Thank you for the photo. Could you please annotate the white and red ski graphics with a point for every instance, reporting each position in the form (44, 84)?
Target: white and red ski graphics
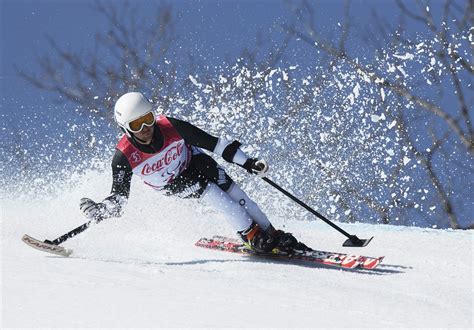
(334, 259)
(46, 247)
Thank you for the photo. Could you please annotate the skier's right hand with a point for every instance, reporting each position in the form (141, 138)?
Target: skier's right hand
(91, 209)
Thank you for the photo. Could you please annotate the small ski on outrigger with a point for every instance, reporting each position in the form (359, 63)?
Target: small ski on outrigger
(341, 260)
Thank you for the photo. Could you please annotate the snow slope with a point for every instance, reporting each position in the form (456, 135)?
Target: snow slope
(143, 271)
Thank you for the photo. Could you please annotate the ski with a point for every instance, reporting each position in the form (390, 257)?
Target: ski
(46, 247)
(335, 259)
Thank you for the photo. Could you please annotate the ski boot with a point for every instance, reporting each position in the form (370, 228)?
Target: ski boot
(271, 240)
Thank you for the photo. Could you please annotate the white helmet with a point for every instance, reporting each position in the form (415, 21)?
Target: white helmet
(129, 107)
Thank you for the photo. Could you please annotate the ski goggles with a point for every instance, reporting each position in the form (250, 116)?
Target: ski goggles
(135, 126)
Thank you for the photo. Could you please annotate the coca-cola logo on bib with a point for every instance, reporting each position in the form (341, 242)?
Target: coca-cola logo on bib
(169, 156)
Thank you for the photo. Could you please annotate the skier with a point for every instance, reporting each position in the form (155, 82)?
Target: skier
(166, 153)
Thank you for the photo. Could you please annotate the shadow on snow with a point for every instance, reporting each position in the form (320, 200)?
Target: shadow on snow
(382, 269)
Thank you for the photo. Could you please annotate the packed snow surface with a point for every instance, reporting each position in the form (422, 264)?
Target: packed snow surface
(143, 270)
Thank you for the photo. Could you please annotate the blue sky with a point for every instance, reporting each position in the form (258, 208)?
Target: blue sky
(210, 30)
(207, 29)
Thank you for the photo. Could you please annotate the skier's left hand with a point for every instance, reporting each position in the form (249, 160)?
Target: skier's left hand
(256, 166)
(91, 209)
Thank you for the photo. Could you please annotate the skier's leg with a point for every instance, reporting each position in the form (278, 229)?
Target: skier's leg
(239, 196)
(209, 168)
(242, 213)
(253, 228)
(238, 218)
(261, 235)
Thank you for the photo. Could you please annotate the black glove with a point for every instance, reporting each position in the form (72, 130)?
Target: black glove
(91, 209)
(256, 166)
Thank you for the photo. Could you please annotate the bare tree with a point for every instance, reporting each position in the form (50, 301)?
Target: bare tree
(133, 54)
(446, 56)
(350, 134)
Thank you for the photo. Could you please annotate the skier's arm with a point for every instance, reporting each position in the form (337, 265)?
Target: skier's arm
(121, 180)
(112, 205)
(121, 175)
(193, 135)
